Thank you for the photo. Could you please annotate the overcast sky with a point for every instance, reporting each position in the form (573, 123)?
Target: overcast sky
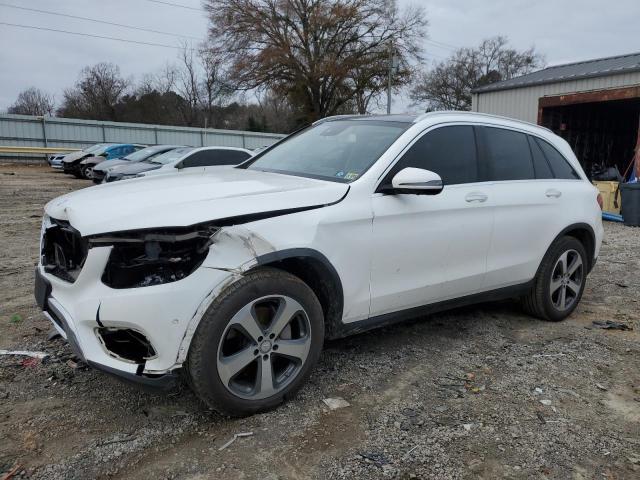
(563, 30)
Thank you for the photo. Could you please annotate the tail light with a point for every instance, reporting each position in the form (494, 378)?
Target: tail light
(600, 201)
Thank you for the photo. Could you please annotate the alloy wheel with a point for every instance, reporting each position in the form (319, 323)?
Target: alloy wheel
(566, 280)
(264, 347)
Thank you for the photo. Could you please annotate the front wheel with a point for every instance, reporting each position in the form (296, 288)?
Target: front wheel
(560, 281)
(87, 172)
(257, 343)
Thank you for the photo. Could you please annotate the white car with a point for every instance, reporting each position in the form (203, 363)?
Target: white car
(237, 276)
(183, 159)
(55, 160)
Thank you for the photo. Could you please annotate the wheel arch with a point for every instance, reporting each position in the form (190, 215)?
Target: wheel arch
(583, 232)
(315, 269)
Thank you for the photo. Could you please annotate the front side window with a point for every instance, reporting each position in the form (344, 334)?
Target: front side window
(448, 151)
(338, 150)
(508, 154)
(560, 166)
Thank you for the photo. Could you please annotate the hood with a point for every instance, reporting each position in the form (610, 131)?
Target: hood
(137, 167)
(188, 198)
(93, 160)
(73, 156)
(108, 164)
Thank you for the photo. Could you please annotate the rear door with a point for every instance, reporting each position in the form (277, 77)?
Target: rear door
(527, 198)
(428, 248)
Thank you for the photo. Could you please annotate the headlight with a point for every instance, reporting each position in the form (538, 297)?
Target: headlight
(144, 258)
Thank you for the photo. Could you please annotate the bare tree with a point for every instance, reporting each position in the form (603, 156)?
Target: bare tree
(33, 101)
(448, 85)
(312, 51)
(96, 93)
(214, 86)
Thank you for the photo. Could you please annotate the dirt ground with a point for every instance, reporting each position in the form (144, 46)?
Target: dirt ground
(481, 392)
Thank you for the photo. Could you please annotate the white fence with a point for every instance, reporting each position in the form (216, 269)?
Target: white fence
(28, 131)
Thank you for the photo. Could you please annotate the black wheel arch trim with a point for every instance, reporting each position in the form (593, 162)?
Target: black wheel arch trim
(591, 261)
(332, 324)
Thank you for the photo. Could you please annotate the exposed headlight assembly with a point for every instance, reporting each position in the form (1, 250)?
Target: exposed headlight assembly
(142, 258)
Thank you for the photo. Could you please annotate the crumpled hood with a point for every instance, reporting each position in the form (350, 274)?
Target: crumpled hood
(186, 198)
(73, 156)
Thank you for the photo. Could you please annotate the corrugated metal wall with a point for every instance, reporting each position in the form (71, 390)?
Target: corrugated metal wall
(522, 103)
(23, 130)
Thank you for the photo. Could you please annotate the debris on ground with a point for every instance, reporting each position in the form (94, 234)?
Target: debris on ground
(545, 402)
(235, 437)
(11, 473)
(336, 403)
(26, 353)
(611, 325)
(378, 459)
(601, 387)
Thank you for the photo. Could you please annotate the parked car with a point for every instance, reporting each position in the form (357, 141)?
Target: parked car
(113, 152)
(187, 159)
(100, 170)
(55, 160)
(237, 275)
(71, 162)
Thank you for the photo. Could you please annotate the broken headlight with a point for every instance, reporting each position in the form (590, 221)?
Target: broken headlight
(144, 258)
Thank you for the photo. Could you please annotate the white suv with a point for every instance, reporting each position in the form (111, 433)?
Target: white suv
(237, 276)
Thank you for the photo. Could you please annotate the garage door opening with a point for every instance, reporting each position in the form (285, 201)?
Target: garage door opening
(601, 128)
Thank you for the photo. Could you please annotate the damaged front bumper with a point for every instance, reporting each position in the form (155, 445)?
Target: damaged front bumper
(161, 318)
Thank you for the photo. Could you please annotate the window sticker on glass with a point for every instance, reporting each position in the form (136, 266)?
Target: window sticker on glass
(351, 176)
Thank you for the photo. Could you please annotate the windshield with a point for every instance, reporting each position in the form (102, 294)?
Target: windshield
(170, 156)
(97, 148)
(142, 154)
(339, 150)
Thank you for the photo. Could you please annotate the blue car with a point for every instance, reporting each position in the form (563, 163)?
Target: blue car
(81, 164)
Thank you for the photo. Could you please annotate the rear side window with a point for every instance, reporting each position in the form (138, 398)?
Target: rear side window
(560, 166)
(448, 151)
(508, 154)
(540, 164)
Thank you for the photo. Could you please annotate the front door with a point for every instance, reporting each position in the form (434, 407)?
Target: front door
(428, 248)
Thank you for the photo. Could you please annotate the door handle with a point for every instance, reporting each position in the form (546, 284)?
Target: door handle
(478, 197)
(553, 193)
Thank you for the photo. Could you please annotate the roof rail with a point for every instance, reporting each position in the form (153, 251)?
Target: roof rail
(477, 114)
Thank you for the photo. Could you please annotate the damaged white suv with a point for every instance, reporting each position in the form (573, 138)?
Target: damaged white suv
(237, 276)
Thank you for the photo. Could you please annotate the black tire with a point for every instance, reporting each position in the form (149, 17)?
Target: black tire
(86, 172)
(538, 302)
(201, 364)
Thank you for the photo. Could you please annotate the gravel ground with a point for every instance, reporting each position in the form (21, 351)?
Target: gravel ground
(480, 392)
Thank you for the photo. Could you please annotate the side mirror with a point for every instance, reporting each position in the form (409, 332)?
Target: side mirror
(416, 181)
(180, 165)
(105, 155)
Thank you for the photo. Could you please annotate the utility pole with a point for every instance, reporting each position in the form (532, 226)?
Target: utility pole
(393, 67)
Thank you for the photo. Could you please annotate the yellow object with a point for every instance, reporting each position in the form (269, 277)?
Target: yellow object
(36, 150)
(608, 190)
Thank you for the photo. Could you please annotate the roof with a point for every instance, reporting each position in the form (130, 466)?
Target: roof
(402, 118)
(599, 67)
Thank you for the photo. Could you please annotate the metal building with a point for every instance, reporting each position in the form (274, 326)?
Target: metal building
(594, 105)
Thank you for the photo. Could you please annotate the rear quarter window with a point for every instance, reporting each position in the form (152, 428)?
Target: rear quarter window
(560, 165)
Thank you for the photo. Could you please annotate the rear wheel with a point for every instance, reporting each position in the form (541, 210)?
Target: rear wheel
(257, 343)
(560, 281)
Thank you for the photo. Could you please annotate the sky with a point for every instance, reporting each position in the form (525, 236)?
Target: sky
(562, 30)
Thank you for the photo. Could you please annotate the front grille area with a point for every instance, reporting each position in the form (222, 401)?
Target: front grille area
(63, 250)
